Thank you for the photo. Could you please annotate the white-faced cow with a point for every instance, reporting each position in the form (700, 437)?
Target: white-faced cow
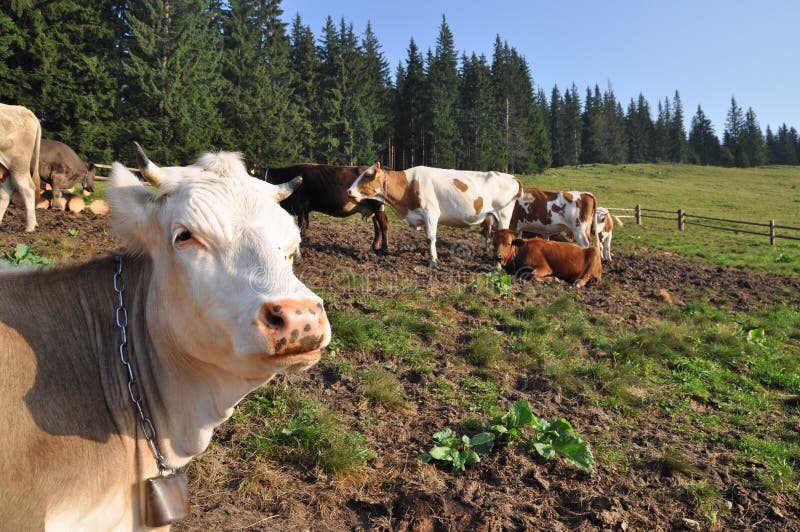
(546, 259)
(20, 139)
(324, 190)
(61, 168)
(605, 228)
(548, 212)
(425, 197)
(213, 310)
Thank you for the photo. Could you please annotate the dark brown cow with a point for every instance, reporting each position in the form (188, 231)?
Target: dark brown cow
(324, 189)
(545, 258)
(61, 167)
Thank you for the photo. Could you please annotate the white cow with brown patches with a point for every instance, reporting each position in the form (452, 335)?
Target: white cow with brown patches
(213, 311)
(425, 197)
(548, 212)
(605, 228)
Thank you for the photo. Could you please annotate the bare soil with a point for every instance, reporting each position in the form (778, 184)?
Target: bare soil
(508, 490)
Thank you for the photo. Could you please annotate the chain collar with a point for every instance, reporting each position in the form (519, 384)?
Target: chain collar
(135, 392)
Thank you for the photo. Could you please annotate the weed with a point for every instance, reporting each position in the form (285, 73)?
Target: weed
(382, 387)
(23, 254)
(460, 452)
(483, 348)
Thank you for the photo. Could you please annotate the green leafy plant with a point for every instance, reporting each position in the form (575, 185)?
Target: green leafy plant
(460, 452)
(756, 336)
(23, 254)
(496, 281)
(550, 437)
(784, 258)
(73, 232)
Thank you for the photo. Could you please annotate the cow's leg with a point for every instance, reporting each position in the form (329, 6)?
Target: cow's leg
(24, 184)
(431, 221)
(5, 197)
(381, 224)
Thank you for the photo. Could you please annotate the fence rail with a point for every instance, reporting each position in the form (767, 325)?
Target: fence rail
(683, 219)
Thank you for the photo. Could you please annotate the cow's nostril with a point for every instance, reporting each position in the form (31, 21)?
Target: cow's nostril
(272, 318)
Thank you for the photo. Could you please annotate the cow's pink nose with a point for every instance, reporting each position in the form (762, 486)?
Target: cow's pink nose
(296, 325)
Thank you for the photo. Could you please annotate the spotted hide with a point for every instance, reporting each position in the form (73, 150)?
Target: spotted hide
(548, 212)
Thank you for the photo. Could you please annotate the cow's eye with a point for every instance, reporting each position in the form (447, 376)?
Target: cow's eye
(183, 236)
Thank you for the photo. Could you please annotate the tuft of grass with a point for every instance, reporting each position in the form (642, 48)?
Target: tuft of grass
(382, 387)
(484, 348)
(287, 426)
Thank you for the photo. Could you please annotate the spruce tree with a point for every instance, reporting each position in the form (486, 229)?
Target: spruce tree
(173, 78)
(556, 129)
(480, 118)
(591, 118)
(704, 147)
(733, 154)
(376, 101)
(753, 149)
(304, 64)
(572, 127)
(676, 133)
(259, 117)
(443, 85)
(411, 109)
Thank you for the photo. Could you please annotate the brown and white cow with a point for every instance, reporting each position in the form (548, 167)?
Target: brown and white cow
(546, 258)
(213, 309)
(605, 228)
(324, 190)
(425, 197)
(20, 139)
(61, 167)
(548, 212)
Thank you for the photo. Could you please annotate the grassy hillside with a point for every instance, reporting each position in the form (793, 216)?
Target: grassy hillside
(754, 194)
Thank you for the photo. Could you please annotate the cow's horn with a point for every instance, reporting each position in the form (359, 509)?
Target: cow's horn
(150, 171)
(285, 190)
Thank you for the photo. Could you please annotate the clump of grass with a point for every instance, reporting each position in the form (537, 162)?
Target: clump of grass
(355, 331)
(382, 387)
(298, 430)
(483, 348)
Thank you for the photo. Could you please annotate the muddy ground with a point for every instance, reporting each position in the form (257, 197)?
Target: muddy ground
(508, 490)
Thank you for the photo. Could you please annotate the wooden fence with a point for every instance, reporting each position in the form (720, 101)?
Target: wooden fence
(683, 219)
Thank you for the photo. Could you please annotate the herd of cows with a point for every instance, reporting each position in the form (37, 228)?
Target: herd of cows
(107, 390)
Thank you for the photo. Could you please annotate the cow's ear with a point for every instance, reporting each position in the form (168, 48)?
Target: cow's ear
(517, 242)
(377, 166)
(133, 209)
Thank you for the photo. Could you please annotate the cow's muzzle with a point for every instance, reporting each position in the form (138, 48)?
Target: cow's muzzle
(295, 325)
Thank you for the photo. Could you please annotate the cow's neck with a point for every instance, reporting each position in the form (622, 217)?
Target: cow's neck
(399, 192)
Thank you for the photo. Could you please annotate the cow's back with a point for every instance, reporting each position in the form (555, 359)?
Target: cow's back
(464, 197)
(56, 157)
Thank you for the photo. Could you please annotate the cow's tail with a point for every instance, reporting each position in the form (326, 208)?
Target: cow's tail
(35, 163)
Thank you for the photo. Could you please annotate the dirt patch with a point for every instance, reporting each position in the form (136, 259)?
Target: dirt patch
(508, 490)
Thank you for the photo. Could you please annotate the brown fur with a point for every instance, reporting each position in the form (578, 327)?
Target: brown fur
(66, 410)
(401, 195)
(460, 185)
(478, 203)
(545, 258)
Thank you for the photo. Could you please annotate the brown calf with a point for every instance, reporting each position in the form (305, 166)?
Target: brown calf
(545, 258)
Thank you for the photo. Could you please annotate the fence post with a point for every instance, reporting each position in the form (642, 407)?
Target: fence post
(772, 232)
(680, 219)
(638, 214)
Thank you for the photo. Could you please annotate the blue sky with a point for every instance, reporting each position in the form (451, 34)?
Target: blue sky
(709, 50)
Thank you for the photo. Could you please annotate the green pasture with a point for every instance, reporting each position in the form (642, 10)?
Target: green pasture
(753, 195)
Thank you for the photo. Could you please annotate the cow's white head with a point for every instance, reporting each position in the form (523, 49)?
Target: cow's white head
(371, 184)
(222, 290)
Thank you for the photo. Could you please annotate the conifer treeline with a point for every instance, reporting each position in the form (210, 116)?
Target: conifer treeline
(183, 76)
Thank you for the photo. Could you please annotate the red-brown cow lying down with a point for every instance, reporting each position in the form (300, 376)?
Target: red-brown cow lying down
(545, 258)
